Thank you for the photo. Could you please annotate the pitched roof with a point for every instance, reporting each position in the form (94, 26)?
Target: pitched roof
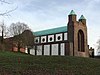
(82, 17)
(51, 31)
(72, 12)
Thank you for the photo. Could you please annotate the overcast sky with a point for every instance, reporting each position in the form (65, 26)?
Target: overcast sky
(46, 14)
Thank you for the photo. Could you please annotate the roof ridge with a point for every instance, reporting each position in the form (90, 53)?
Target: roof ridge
(51, 31)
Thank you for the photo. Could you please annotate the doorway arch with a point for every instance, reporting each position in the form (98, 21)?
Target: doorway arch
(81, 46)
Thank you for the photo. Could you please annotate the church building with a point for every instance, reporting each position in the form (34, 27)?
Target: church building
(68, 40)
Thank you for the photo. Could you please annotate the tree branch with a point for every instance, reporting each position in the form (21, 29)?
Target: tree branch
(7, 12)
(3, 1)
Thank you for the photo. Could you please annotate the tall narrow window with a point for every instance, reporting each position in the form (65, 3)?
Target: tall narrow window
(81, 41)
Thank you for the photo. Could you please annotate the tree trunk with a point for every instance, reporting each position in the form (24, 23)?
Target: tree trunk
(2, 37)
(18, 47)
(28, 50)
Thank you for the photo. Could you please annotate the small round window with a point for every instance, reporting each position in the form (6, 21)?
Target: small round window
(59, 38)
(43, 39)
(50, 38)
(36, 40)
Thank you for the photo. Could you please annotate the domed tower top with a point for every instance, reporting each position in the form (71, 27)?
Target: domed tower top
(72, 12)
(82, 19)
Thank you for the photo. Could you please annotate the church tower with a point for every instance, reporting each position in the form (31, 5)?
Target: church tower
(77, 35)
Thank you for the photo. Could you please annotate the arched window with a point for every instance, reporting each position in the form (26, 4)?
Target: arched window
(81, 41)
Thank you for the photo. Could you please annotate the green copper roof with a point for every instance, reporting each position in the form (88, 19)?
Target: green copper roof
(51, 31)
(82, 17)
(72, 12)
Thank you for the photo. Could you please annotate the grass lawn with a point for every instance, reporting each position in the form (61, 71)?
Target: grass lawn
(22, 64)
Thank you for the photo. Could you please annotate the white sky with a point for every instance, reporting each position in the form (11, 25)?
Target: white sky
(46, 14)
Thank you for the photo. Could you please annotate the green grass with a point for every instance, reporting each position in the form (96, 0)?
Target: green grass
(22, 64)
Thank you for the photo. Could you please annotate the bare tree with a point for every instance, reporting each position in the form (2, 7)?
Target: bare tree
(16, 30)
(3, 27)
(3, 31)
(98, 46)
